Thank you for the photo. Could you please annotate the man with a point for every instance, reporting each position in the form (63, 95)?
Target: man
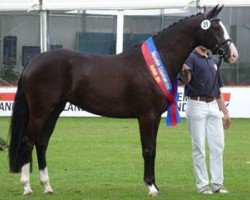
(204, 117)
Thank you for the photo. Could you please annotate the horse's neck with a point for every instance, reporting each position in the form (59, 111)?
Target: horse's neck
(175, 49)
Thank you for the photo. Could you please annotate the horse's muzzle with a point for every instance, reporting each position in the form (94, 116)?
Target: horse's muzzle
(232, 55)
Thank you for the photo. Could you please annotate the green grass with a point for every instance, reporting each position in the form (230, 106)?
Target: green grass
(100, 158)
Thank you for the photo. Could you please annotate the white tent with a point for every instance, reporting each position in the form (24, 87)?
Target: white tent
(119, 7)
(25, 5)
(227, 3)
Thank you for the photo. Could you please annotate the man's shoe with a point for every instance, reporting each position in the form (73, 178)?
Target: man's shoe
(218, 188)
(205, 190)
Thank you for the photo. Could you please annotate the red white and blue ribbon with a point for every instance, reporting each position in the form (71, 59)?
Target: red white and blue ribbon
(160, 75)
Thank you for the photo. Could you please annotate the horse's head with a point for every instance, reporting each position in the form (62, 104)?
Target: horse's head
(215, 37)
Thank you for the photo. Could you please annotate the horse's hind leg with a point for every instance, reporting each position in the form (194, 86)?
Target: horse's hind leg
(34, 127)
(41, 147)
(148, 130)
(25, 179)
(34, 131)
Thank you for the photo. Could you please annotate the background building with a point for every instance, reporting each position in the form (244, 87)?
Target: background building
(29, 27)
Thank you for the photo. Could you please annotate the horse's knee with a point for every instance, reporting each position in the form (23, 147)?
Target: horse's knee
(149, 153)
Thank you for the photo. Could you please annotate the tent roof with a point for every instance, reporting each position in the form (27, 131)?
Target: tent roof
(25, 5)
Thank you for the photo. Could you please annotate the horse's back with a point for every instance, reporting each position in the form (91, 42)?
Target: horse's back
(100, 84)
(115, 85)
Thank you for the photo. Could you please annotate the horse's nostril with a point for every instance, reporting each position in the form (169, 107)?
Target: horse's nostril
(235, 55)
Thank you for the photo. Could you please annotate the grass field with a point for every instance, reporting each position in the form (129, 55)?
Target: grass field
(100, 158)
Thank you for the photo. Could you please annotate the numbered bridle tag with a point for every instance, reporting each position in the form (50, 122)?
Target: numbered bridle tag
(205, 24)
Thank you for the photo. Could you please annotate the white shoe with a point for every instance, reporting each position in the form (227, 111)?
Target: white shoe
(205, 190)
(219, 188)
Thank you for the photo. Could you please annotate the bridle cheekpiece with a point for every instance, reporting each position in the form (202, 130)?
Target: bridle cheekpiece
(217, 49)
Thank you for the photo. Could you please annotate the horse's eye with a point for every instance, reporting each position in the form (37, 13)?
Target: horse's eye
(216, 28)
(216, 25)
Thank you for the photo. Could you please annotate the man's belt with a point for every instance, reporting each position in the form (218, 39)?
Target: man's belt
(205, 99)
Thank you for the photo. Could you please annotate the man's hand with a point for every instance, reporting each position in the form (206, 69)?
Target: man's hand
(185, 74)
(226, 121)
(185, 68)
(223, 108)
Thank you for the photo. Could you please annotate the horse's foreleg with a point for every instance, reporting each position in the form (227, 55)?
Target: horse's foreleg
(148, 130)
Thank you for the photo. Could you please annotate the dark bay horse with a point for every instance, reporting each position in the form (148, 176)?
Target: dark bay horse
(114, 86)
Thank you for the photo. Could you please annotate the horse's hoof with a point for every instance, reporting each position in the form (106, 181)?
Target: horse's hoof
(26, 188)
(47, 188)
(27, 192)
(48, 191)
(154, 193)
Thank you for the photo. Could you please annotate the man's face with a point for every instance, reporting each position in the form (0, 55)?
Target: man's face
(203, 48)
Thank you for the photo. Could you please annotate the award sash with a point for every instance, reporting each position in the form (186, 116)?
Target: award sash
(160, 75)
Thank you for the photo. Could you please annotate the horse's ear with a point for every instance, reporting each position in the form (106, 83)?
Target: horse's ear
(214, 12)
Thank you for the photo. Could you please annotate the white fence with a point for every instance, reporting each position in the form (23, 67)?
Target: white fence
(237, 100)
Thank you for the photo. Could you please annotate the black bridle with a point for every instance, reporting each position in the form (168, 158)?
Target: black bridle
(217, 49)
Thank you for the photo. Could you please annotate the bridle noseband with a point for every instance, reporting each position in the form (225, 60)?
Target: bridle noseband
(217, 49)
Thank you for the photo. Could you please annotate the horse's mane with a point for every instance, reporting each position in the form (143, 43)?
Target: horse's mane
(174, 24)
(163, 31)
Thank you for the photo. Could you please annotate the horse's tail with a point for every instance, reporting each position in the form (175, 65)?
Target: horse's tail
(18, 126)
